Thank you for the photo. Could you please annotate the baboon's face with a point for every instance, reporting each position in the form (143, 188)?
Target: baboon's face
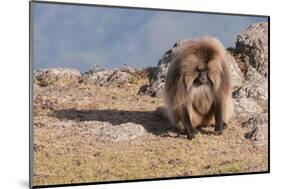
(202, 76)
(201, 70)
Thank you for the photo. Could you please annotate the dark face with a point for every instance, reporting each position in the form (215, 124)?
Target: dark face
(202, 70)
(202, 78)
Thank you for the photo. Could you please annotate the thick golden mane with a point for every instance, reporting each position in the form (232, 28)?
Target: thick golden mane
(198, 85)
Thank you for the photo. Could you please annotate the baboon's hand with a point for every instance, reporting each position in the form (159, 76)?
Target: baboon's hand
(224, 126)
(218, 132)
(191, 134)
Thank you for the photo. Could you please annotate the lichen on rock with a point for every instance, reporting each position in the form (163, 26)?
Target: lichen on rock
(56, 76)
(252, 44)
(105, 77)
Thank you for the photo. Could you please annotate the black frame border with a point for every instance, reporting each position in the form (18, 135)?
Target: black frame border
(31, 132)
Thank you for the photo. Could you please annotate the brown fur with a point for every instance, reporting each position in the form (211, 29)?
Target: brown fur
(181, 89)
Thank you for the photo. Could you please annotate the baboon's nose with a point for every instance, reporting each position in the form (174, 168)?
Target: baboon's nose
(203, 77)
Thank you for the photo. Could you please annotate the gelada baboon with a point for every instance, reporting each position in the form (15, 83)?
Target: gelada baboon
(198, 86)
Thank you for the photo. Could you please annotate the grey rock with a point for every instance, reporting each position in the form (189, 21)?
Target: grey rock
(102, 131)
(95, 69)
(158, 74)
(143, 89)
(252, 98)
(96, 76)
(258, 133)
(257, 120)
(246, 108)
(52, 76)
(260, 139)
(103, 77)
(122, 132)
(155, 89)
(256, 89)
(127, 69)
(252, 44)
(236, 74)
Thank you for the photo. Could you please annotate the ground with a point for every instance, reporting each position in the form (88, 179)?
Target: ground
(70, 144)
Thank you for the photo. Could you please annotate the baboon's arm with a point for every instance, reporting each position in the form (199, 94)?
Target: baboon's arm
(187, 123)
(218, 118)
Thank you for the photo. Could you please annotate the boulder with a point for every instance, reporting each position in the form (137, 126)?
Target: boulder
(258, 133)
(54, 76)
(236, 74)
(157, 75)
(245, 109)
(252, 44)
(104, 77)
(122, 132)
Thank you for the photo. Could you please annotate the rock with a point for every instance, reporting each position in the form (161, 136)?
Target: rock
(153, 90)
(157, 75)
(258, 91)
(246, 108)
(122, 132)
(236, 74)
(251, 74)
(99, 130)
(103, 77)
(143, 89)
(252, 44)
(56, 76)
(258, 133)
(127, 69)
(257, 120)
(260, 138)
(38, 147)
(95, 69)
(254, 86)
(119, 77)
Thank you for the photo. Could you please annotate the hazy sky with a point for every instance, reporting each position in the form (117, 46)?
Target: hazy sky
(81, 36)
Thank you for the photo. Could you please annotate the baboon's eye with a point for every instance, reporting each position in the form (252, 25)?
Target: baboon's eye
(202, 69)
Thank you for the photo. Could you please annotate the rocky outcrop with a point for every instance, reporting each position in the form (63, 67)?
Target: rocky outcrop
(253, 47)
(104, 77)
(157, 74)
(96, 76)
(56, 76)
(252, 50)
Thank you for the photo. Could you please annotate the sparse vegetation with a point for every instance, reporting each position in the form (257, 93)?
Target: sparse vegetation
(68, 149)
(45, 82)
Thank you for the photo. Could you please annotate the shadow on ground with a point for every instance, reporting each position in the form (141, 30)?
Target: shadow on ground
(148, 119)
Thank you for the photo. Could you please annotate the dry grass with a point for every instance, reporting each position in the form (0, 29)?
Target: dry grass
(68, 151)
